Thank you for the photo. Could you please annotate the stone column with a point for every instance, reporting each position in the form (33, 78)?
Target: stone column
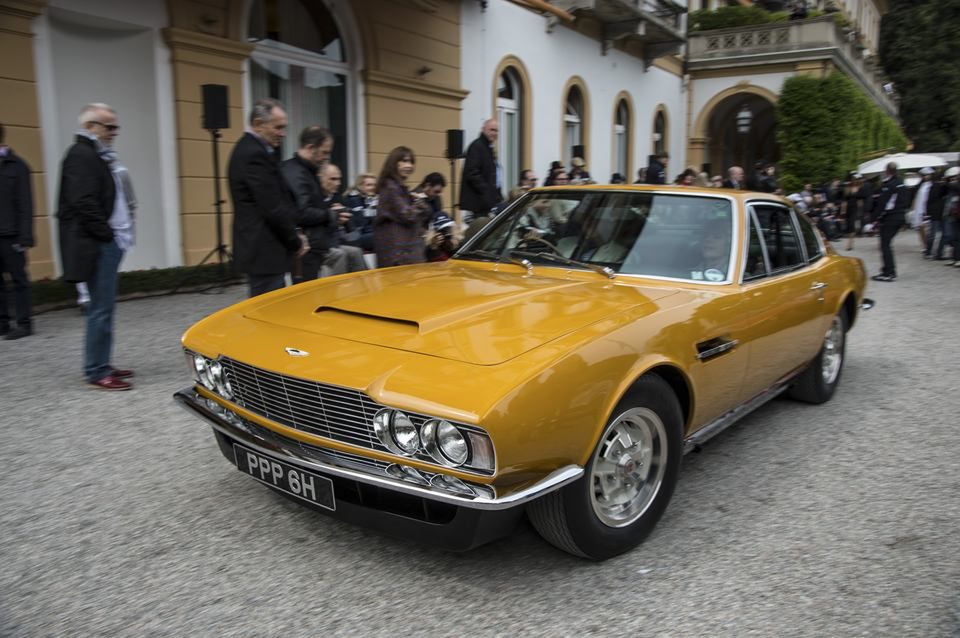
(20, 115)
(198, 59)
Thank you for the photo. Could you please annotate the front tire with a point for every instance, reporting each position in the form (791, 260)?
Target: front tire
(819, 381)
(627, 483)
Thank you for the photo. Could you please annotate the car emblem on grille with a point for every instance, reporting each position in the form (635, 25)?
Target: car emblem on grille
(293, 352)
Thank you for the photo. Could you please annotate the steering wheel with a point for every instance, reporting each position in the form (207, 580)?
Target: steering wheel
(529, 243)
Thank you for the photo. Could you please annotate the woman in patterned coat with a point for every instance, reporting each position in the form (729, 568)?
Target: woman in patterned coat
(401, 217)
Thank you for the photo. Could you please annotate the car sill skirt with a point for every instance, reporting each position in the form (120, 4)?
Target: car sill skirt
(193, 402)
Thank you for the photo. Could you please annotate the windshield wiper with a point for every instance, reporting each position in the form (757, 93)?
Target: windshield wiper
(499, 258)
(560, 259)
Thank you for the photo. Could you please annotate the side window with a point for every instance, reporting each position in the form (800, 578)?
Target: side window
(779, 237)
(810, 239)
(756, 266)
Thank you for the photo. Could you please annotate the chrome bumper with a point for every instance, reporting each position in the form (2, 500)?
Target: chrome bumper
(238, 429)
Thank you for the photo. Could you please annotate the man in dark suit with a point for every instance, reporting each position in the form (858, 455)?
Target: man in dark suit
(318, 220)
(96, 207)
(16, 236)
(734, 178)
(889, 209)
(265, 235)
(657, 169)
(481, 181)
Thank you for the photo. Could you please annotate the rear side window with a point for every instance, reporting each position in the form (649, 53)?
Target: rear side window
(756, 266)
(779, 236)
(810, 239)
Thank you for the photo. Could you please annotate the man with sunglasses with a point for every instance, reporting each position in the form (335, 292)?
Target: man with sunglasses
(96, 212)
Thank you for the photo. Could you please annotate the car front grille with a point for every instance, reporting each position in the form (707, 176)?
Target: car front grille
(325, 410)
(333, 412)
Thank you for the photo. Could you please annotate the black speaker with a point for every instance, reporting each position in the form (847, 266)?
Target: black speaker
(454, 143)
(216, 115)
(578, 151)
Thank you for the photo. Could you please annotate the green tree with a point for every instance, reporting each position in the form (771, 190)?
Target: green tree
(918, 50)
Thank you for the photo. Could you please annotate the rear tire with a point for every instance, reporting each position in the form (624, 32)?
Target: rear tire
(818, 382)
(628, 482)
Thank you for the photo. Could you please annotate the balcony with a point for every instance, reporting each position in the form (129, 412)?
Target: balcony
(802, 41)
(656, 25)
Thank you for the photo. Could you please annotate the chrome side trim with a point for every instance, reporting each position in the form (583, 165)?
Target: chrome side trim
(720, 424)
(192, 402)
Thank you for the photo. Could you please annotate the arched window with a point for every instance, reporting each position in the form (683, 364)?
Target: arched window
(510, 116)
(572, 124)
(621, 139)
(300, 60)
(659, 133)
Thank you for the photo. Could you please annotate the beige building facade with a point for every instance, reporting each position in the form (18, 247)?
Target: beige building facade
(620, 79)
(379, 73)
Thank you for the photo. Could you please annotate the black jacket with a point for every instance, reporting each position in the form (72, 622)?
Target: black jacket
(16, 200)
(888, 188)
(656, 172)
(313, 212)
(87, 197)
(264, 210)
(479, 192)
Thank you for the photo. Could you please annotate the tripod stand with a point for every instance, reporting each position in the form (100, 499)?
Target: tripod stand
(220, 250)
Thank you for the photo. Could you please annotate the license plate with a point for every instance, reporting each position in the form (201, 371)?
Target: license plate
(292, 480)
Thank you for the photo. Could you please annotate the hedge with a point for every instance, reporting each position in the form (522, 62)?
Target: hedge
(826, 126)
(739, 16)
(49, 294)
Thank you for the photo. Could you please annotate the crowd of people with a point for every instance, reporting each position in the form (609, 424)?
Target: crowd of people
(295, 218)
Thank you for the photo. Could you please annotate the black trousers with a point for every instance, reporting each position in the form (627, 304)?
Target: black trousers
(14, 265)
(260, 284)
(887, 231)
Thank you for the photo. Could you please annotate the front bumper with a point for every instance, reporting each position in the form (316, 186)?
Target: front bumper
(237, 429)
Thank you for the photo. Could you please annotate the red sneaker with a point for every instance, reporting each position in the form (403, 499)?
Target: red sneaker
(117, 373)
(110, 382)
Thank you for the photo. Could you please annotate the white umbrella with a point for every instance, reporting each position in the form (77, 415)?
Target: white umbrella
(904, 161)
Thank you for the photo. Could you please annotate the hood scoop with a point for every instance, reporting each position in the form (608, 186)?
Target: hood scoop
(331, 311)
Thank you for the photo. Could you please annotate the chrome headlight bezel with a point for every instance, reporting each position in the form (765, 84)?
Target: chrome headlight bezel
(386, 423)
(210, 374)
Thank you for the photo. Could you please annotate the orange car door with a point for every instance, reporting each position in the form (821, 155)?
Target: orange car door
(781, 309)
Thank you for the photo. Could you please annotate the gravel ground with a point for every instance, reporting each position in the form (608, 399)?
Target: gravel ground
(120, 517)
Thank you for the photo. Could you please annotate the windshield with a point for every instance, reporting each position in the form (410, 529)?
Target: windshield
(634, 233)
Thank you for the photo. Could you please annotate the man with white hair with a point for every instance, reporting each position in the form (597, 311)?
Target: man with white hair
(482, 180)
(96, 213)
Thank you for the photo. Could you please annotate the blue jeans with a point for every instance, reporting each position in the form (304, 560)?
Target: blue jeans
(98, 345)
(935, 228)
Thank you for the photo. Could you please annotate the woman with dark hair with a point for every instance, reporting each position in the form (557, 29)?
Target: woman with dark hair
(399, 225)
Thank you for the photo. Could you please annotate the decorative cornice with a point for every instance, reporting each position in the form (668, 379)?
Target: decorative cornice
(384, 79)
(191, 40)
(23, 8)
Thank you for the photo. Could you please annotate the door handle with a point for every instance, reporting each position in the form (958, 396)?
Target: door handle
(817, 285)
(715, 347)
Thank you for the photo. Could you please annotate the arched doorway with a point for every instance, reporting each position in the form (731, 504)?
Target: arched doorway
(302, 59)
(741, 131)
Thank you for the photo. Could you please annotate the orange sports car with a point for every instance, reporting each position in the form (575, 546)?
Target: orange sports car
(559, 365)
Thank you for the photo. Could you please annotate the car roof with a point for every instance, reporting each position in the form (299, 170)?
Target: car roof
(664, 188)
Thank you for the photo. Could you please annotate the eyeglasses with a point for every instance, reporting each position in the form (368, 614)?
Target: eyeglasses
(109, 127)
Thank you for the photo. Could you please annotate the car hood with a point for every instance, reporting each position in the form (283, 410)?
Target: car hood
(459, 312)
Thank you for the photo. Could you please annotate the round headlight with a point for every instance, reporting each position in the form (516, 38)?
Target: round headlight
(219, 379)
(444, 443)
(202, 367)
(396, 432)
(451, 443)
(404, 433)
